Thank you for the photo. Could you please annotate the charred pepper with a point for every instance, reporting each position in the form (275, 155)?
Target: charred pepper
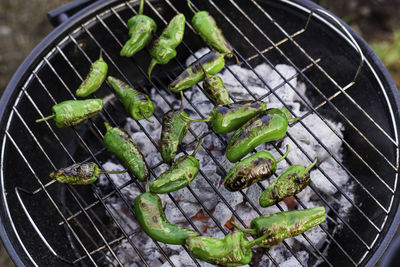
(282, 225)
(290, 182)
(138, 104)
(228, 118)
(268, 126)
(93, 81)
(233, 250)
(80, 173)
(122, 146)
(212, 62)
(72, 112)
(174, 127)
(205, 25)
(152, 220)
(141, 29)
(216, 90)
(253, 169)
(181, 174)
(163, 49)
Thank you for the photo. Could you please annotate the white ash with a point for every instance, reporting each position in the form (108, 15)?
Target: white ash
(204, 189)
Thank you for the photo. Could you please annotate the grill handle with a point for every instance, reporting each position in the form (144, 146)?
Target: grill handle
(63, 13)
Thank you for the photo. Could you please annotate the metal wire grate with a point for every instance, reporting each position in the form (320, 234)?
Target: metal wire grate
(77, 216)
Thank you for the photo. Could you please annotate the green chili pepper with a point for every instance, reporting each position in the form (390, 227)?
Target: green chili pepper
(141, 29)
(181, 174)
(80, 173)
(205, 25)
(253, 169)
(228, 118)
(233, 250)
(174, 127)
(93, 81)
(282, 225)
(72, 112)
(152, 220)
(138, 104)
(212, 62)
(121, 145)
(163, 49)
(267, 126)
(290, 182)
(216, 90)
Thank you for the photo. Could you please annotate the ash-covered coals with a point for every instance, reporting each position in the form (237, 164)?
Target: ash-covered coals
(207, 203)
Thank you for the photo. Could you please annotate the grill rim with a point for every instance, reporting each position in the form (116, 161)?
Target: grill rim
(41, 49)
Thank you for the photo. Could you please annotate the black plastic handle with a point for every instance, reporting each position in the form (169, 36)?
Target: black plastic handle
(60, 15)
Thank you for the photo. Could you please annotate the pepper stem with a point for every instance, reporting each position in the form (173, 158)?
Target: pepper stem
(141, 7)
(199, 120)
(237, 59)
(284, 155)
(101, 55)
(312, 165)
(108, 127)
(197, 147)
(144, 117)
(46, 118)
(293, 119)
(113, 172)
(256, 241)
(190, 7)
(153, 63)
(244, 230)
(205, 72)
(182, 102)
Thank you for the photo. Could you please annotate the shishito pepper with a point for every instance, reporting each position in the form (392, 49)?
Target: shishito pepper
(212, 62)
(141, 29)
(216, 90)
(205, 25)
(282, 225)
(121, 145)
(138, 104)
(163, 49)
(80, 173)
(253, 169)
(181, 174)
(152, 220)
(228, 118)
(93, 81)
(290, 182)
(174, 127)
(267, 126)
(72, 112)
(233, 250)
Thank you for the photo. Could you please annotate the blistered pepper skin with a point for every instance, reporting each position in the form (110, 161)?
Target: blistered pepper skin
(212, 62)
(293, 180)
(267, 126)
(122, 146)
(163, 49)
(253, 169)
(94, 79)
(216, 90)
(174, 128)
(286, 224)
(138, 104)
(152, 220)
(77, 174)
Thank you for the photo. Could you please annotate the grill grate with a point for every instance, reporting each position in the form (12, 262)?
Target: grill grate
(77, 216)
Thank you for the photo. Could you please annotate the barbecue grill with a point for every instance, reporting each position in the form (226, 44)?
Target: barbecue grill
(47, 223)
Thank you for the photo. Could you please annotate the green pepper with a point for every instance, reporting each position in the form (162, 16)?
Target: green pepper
(141, 29)
(174, 127)
(138, 104)
(267, 126)
(212, 62)
(122, 146)
(253, 169)
(80, 173)
(205, 25)
(290, 182)
(233, 250)
(216, 90)
(228, 118)
(152, 220)
(72, 112)
(163, 49)
(282, 225)
(181, 174)
(93, 81)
